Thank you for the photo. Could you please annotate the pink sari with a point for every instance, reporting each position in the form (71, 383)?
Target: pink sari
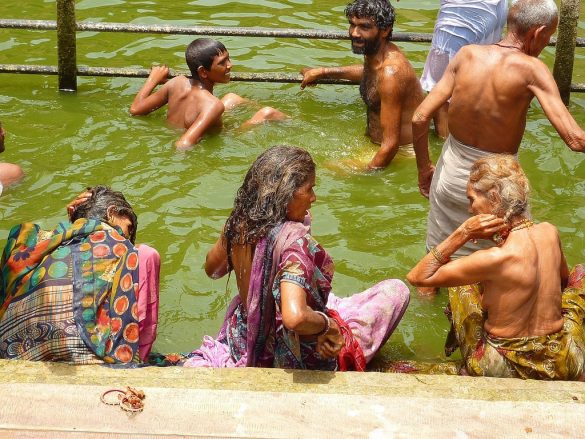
(255, 336)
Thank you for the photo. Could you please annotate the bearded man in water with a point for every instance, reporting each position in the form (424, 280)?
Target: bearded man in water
(388, 83)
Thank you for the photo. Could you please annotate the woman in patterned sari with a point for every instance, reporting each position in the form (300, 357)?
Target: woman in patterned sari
(285, 314)
(515, 309)
(81, 293)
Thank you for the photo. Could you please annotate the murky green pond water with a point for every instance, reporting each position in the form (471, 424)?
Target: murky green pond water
(373, 225)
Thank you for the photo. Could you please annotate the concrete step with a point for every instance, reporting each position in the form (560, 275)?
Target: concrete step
(59, 401)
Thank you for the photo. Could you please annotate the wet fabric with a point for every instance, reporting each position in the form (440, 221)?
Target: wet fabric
(69, 294)
(461, 22)
(449, 206)
(558, 356)
(257, 336)
(148, 297)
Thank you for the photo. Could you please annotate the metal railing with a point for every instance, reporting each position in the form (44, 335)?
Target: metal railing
(67, 69)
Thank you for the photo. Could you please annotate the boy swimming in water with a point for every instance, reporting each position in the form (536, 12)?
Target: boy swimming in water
(192, 105)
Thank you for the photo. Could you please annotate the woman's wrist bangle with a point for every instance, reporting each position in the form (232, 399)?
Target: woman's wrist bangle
(327, 324)
(439, 256)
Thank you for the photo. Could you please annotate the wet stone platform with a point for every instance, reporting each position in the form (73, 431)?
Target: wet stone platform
(60, 401)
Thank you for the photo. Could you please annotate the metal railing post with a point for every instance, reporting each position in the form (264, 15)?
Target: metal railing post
(67, 51)
(565, 50)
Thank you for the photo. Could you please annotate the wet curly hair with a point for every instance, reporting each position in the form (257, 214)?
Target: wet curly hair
(262, 200)
(381, 11)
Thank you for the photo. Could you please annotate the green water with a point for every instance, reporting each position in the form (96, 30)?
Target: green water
(373, 225)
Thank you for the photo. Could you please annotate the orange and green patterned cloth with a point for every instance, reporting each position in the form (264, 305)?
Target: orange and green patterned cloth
(558, 356)
(69, 294)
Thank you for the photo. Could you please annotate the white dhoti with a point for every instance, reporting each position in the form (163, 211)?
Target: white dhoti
(461, 22)
(449, 206)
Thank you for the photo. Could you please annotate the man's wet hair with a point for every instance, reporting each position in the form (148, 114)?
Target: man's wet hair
(529, 14)
(201, 52)
(381, 11)
(103, 199)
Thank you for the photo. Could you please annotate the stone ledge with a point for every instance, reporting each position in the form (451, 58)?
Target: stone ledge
(297, 381)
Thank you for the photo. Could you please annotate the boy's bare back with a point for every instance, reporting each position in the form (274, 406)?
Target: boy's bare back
(187, 101)
(191, 106)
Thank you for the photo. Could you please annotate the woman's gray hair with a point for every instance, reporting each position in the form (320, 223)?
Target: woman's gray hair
(500, 178)
(102, 202)
(262, 200)
(528, 14)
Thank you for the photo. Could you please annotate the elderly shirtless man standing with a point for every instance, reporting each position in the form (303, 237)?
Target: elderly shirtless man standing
(490, 88)
(388, 83)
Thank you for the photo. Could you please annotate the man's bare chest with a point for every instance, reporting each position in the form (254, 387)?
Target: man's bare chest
(369, 90)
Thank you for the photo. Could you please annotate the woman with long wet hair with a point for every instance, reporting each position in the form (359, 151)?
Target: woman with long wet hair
(285, 314)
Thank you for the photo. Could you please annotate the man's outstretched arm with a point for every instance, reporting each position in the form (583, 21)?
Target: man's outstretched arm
(145, 102)
(351, 73)
(546, 91)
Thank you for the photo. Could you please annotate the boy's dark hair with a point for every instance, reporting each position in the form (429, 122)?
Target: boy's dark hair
(200, 53)
(102, 199)
(381, 11)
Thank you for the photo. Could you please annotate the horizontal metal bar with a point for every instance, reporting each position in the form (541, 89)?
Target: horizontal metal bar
(28, 24)
(238, 77)
(217, 31)
(143, 73)
(202, 30)
(24, 68)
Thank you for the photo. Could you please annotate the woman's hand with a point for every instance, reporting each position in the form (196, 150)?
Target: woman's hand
(482, 226)
(80, 199)
(329, 344)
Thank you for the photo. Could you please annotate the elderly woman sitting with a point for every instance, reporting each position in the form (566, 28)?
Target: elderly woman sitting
(285, 314)
(81, 293)
(524, 315)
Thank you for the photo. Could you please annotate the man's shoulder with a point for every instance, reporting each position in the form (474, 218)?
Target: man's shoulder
(397, 62)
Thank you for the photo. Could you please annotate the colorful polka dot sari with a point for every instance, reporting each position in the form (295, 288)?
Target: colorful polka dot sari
(69, 294)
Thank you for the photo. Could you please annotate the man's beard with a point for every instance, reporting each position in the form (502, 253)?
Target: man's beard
(369, 47)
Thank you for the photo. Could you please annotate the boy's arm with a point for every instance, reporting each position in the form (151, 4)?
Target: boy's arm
(352, 73)
(208, 117)
(145, 102)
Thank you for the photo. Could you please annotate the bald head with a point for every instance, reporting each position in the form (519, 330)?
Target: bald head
(529, 14)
